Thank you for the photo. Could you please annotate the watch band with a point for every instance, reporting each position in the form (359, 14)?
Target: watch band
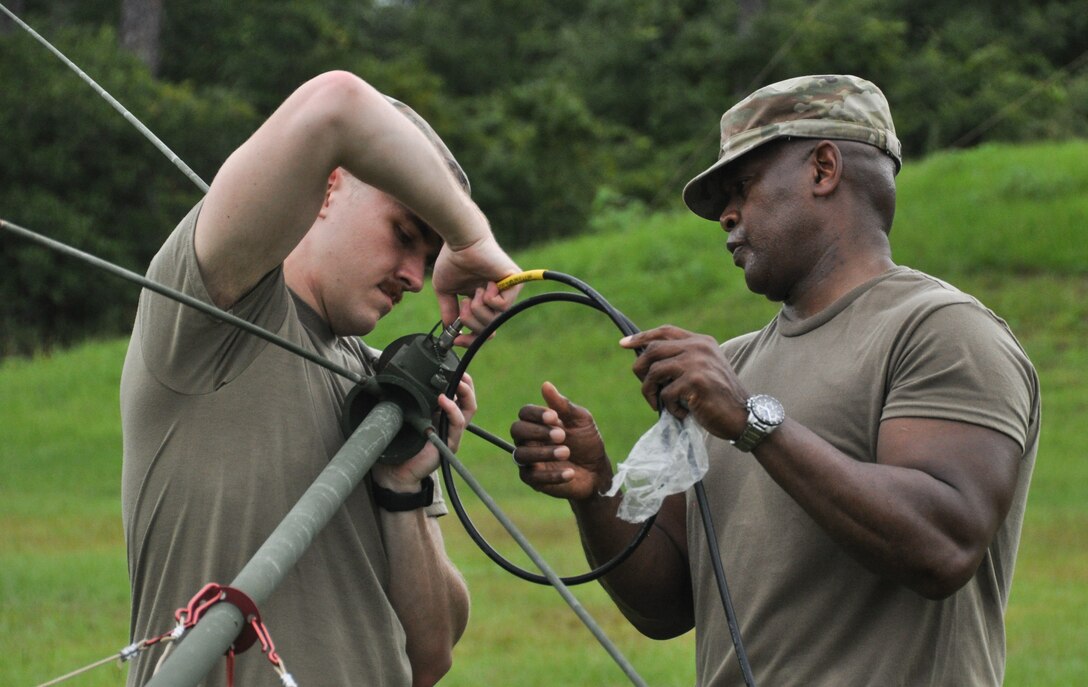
(765, 414)
(750, 437)
(396, 502)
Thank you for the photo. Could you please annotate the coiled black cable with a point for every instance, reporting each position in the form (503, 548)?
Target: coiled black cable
(591, 298)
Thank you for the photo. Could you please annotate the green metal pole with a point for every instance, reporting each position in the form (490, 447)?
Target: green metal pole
(210, 638)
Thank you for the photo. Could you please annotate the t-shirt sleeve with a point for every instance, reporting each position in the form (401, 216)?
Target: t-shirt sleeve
(187, 350)
(962, 363)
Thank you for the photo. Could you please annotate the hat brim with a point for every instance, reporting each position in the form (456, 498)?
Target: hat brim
(703, 195)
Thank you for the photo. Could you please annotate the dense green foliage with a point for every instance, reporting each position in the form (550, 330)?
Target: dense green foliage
(63, 583)
(555, 109)
(75, 170)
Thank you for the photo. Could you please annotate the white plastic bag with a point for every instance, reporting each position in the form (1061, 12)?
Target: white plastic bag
(668, 459)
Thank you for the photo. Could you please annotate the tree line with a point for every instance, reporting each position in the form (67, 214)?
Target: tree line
(557, 110)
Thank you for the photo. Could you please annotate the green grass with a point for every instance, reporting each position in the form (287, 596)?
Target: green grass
(1000, 222)
(63, 580)
(1011, 210)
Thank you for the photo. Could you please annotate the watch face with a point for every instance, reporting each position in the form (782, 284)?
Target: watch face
(767, 409)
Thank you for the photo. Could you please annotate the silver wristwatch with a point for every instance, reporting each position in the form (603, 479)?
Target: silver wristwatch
(765, 414)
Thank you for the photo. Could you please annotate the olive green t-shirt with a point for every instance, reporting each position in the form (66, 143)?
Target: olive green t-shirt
(902, 345)
(223, 432)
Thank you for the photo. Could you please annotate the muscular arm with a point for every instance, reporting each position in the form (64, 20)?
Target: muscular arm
(560, 453)
(922, 514)
(652, 588)
(268, 192)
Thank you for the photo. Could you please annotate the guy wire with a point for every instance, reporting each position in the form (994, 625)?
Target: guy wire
(164, 290)
(131, 118)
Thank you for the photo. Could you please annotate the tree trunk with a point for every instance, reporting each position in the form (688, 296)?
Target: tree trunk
(748, 10)
(141, 24)
(6, 25)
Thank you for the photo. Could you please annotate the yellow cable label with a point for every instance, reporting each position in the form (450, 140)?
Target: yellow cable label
(521, 278)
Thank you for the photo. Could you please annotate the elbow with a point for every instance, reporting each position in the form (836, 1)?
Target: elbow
(340, 83)
(330, 101)
(938, 588)
(664, 627)
(659, 610)
(943, 574)
(661, 632)
(431, 655)
(935, 589)
(430, 661)
(427, 671)
(339, 91)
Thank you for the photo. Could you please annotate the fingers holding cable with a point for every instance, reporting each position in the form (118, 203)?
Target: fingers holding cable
(459, 410)
(683, 372)
(478, 311)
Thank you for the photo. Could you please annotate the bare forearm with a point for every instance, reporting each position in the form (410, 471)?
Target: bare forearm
(427, 592)
(653, 586)
(561, 453)
(269, 191)
(383, 148)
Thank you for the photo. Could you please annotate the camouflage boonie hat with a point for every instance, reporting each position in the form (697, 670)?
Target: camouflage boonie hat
(434, 138)
(839, 107)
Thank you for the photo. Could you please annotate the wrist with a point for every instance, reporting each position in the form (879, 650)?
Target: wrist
(403, 478)
(602, 480)
(765, 415)
(597, 504)
(469, 227)
(410, 486)
(403, 498)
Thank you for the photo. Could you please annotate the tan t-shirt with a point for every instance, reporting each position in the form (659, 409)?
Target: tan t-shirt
(223, 432)
(902, 345)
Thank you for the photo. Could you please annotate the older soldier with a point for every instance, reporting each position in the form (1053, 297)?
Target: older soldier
(870, 447)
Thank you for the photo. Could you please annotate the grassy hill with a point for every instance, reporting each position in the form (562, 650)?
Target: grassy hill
(1001, 222)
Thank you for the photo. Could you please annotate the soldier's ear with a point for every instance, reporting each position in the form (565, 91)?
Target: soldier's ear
(827, 161)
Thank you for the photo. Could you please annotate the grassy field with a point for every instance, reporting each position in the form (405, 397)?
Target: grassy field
(1003, 223)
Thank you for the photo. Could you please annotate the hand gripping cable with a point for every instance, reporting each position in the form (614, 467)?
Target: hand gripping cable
(588, 297)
